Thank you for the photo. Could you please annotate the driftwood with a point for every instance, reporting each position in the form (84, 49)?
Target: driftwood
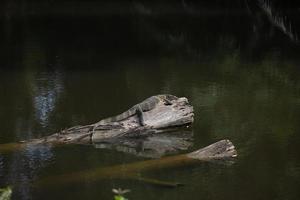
(163, 118)
(222, 150)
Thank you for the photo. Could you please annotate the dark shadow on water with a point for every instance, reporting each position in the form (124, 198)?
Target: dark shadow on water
(71, 35)
(69, 67)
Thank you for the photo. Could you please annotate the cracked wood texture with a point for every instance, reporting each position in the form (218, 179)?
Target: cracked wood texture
(162, 118)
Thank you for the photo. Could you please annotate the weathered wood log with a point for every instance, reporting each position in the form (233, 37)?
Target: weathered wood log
(162, 118)
(221, 150)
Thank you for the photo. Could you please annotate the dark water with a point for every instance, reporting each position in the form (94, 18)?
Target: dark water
(239, 72)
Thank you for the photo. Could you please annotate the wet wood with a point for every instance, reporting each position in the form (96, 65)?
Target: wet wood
(162, 118)
(222, 150)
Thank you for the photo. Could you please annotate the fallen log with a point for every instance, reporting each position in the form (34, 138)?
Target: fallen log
(164, 117)
(221, 150)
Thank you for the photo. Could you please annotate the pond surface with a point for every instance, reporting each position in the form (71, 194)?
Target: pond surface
(242, 78)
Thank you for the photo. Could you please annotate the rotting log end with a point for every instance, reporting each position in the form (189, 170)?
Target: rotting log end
(222, 149)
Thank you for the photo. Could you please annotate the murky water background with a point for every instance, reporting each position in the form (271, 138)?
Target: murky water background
(240, 74)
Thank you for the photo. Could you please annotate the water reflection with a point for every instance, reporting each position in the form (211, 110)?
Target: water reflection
(1, 167)
(242, 81)
(46, 90)
(254, 104)
(32, 95)
(153, 146)
(283, 23)
(23, 169)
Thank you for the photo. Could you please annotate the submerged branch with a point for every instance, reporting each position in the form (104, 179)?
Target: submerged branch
(221, 150)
